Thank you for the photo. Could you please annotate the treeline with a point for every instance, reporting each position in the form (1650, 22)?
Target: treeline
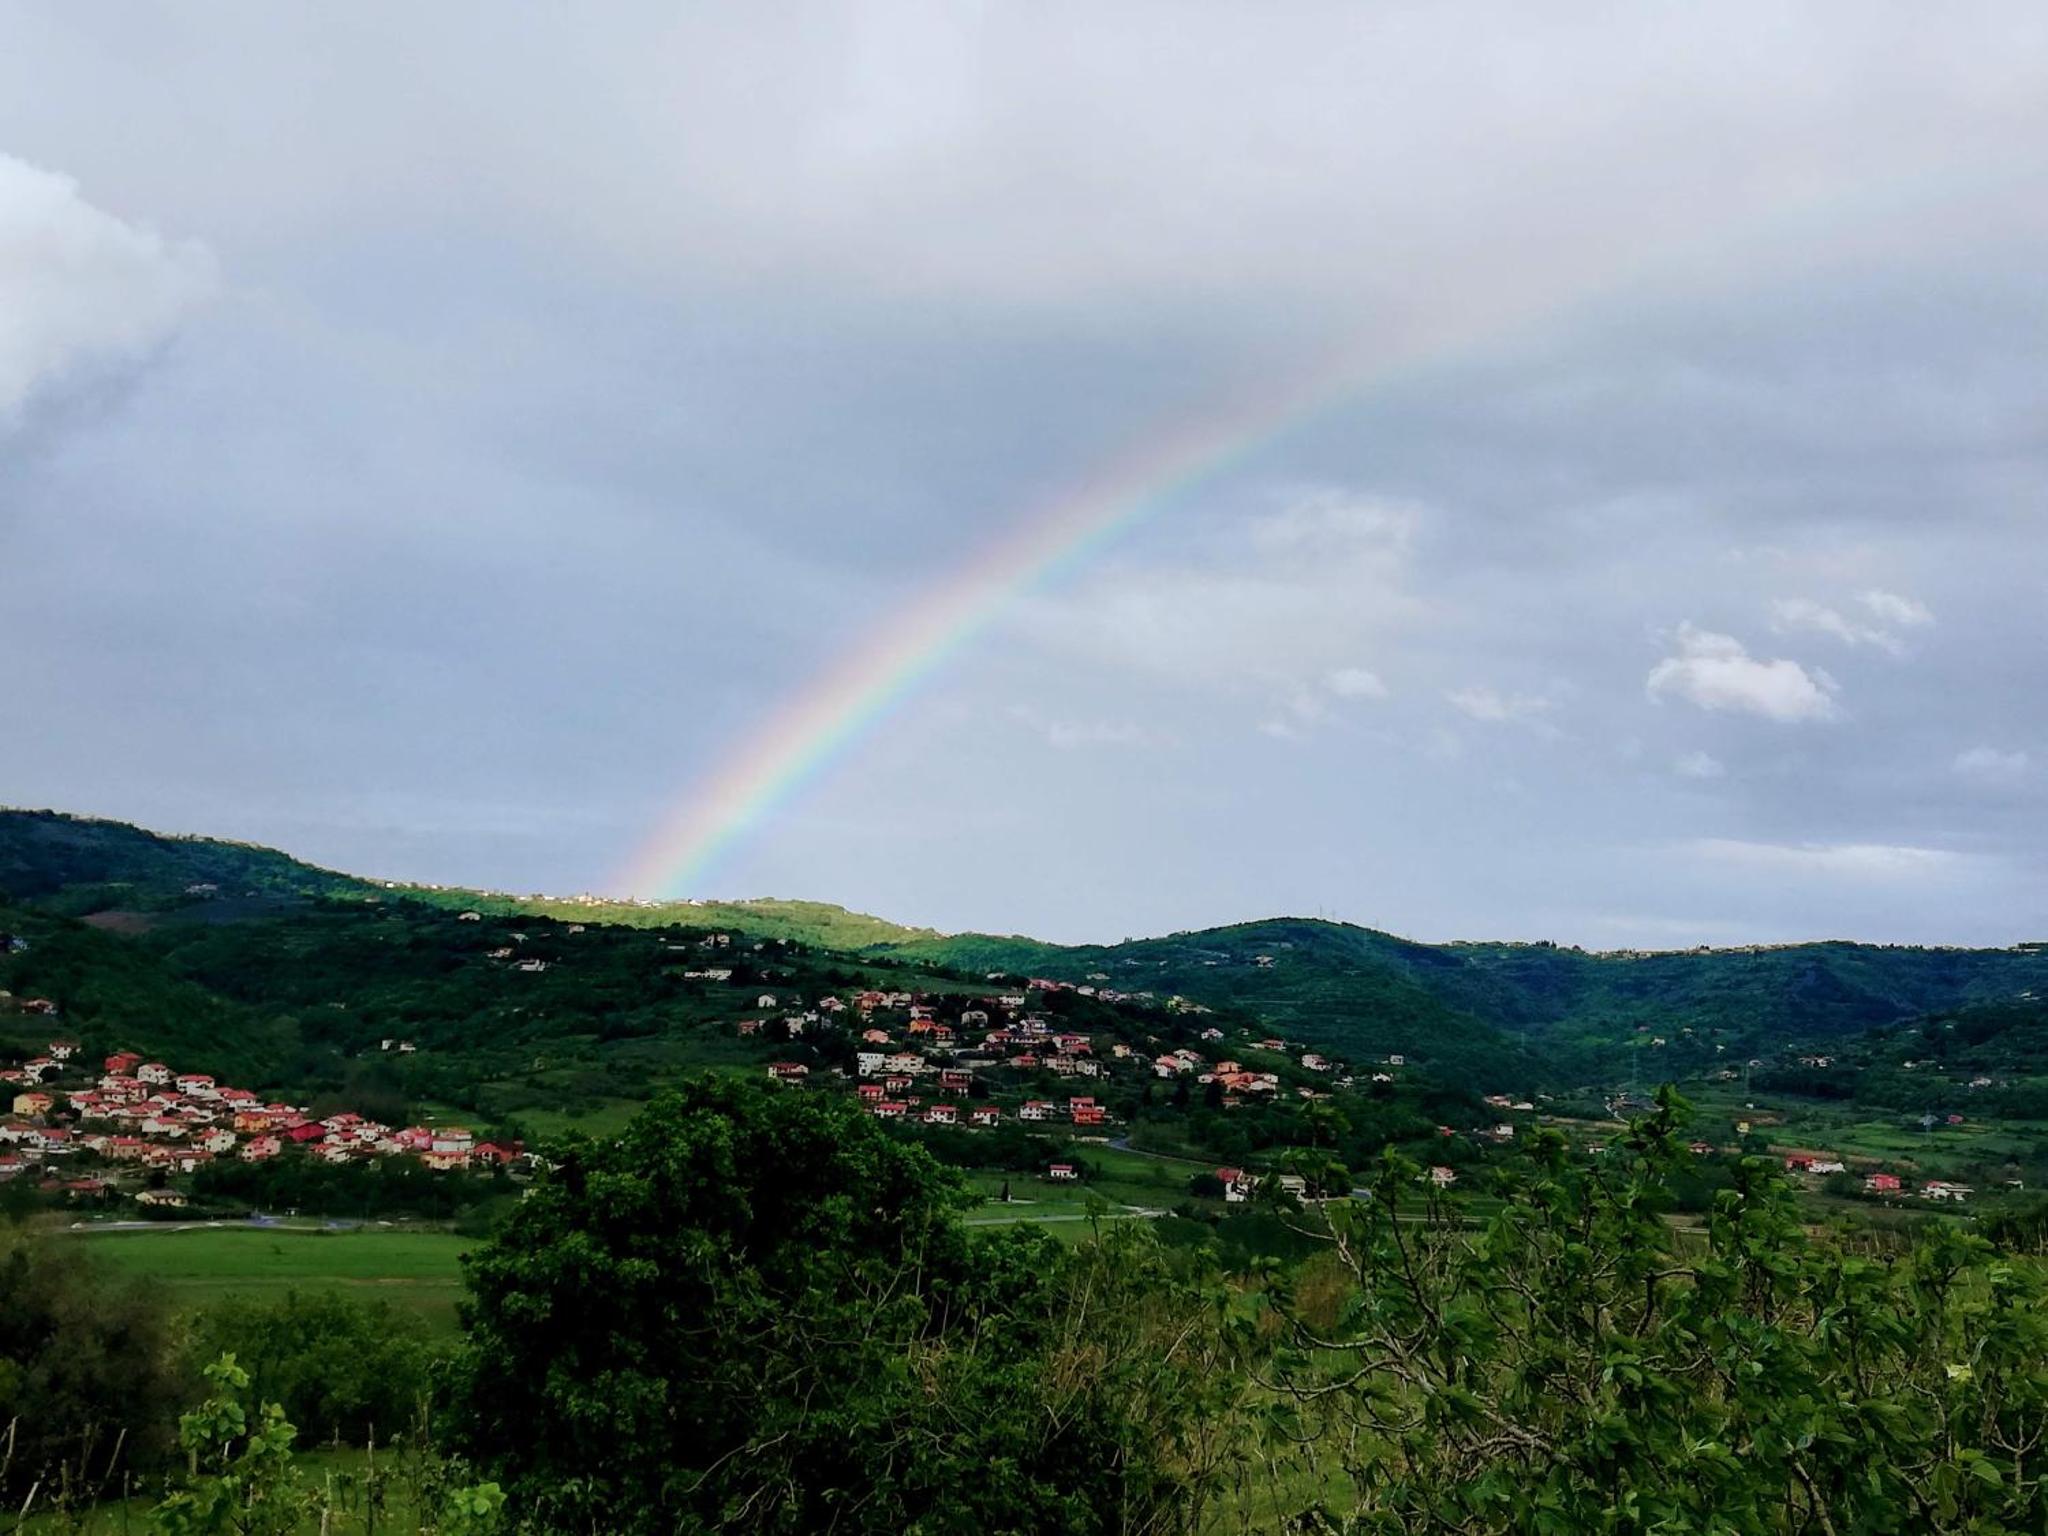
(377, 1188)
(756, 1310)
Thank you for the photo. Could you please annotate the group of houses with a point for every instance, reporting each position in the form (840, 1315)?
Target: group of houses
(912, 1064)
(1877, 1182)
(148, 1115)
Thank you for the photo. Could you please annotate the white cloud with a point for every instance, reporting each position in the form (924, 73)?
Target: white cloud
(1496, 708)
(1889, 613)
(81, 292)
(1700, 765)
(1355, 683)
(1871, 861)
(1989, 763)
(1890, 608)
(1716, 672)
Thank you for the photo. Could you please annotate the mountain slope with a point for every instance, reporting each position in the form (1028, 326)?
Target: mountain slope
(80, 865)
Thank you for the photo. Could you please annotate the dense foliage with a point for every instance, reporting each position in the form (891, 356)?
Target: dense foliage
(88, 1375)
(1579, 1365)
(342, 1371)
(757, 1310)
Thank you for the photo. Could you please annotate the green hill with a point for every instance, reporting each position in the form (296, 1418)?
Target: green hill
(81, 865)
(1362, 990)
(1514, 1012)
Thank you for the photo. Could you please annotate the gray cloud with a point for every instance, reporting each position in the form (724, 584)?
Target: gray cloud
(574, 391)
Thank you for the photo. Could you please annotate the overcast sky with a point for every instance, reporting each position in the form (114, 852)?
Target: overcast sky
(435, 438)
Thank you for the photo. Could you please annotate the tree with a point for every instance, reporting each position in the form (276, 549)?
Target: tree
(87, 1383)
(758, 1310)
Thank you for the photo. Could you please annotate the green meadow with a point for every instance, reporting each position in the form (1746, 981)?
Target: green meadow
(413, 1269)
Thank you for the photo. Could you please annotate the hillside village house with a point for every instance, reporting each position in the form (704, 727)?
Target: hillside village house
(1816, 1163)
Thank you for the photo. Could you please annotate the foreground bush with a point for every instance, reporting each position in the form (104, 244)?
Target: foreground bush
(1581, 1365)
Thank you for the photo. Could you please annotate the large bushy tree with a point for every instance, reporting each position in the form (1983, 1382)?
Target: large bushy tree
(757, 1310)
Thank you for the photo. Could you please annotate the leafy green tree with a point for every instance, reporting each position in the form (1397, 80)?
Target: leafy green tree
(757, 1310)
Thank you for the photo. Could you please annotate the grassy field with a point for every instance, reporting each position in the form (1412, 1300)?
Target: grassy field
(413, 1269)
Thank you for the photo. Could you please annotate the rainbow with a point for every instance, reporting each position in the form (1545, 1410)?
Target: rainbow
(842, 704)
(839, 706)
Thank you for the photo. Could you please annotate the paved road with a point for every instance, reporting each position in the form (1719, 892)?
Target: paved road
(258, 1223)
(1128, 1213)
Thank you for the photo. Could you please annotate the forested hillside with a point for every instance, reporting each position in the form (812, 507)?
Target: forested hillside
(1359, 989)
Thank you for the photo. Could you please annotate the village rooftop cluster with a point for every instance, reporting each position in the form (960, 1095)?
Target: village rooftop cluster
(150, 1116)
(953, 1057)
